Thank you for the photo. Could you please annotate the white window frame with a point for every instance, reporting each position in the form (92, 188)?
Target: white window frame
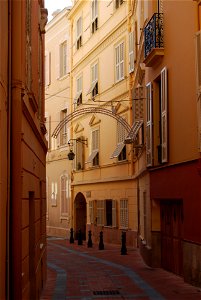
(119, 62)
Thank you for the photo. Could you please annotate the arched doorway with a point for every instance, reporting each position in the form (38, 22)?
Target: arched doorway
(80, 214)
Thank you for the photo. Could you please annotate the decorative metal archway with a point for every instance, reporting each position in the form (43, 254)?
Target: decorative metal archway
(90, 110)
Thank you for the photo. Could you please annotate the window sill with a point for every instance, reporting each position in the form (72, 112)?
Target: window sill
(63, 77)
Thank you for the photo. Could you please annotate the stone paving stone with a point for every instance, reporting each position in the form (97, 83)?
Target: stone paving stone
(90, 272)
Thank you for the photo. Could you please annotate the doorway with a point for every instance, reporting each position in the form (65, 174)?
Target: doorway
(172, 235)
(80, 215)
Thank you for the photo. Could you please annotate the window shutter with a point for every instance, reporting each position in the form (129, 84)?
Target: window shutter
(59, 135)
(121, 60)
(95, 139)
(149, 137)
(198, 60)
(114, 213)
(101, 212)
(79, 154)
(119, 53)
(164, 124)
(57, 60)
(131, 52)
(198, 73)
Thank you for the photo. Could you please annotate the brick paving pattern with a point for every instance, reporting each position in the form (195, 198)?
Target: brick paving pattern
(82, 273)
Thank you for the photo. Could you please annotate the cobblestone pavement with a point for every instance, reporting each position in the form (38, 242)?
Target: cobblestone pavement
(82, 273)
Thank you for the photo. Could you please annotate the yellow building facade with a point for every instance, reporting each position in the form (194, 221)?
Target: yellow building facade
(104, 192)
(57, 106)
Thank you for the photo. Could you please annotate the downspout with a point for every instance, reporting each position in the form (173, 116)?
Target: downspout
(129, 14)
(8, 156)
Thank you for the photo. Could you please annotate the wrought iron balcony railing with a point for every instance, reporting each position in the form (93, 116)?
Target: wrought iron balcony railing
(153, 33)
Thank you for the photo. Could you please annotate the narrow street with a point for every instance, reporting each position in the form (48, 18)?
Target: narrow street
(82, 273)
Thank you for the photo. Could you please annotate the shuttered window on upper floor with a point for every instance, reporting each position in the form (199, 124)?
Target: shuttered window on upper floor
(119, 62)
(131, 51)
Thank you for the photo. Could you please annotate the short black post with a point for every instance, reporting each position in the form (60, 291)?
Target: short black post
(71, 236)
(89, 244)
(101, 244)
(79, 237)
(123, 243)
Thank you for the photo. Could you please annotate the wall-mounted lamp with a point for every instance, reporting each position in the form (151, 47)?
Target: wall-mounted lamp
(71, 154)
(79, 140)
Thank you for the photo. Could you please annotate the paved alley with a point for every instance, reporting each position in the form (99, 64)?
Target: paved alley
(82, 273)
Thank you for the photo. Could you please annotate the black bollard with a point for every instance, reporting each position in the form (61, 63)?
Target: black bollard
(89, 244)
(79, 237)
(101, 244)
(123, 243)
(71, 236)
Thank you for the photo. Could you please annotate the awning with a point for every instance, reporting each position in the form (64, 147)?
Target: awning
(92, 156)
(118, 150)
(133, 132)
(92, 87)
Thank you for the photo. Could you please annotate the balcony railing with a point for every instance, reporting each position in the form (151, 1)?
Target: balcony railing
(153, 34)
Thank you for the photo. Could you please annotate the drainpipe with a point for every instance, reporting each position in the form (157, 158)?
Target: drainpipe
(130, 87)
(8, 156)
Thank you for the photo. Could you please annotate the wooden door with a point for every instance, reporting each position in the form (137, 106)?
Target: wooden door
(171, 236)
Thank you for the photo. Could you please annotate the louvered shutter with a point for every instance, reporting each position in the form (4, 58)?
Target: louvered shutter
(164, 123)
(149, 134)
(198, 74)
(114, 213)
(131, 52)
(57, 62)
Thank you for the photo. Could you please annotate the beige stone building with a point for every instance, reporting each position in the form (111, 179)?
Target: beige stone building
(104, 191)
(57, 106)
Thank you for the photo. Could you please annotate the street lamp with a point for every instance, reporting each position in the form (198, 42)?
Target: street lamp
(71, 154)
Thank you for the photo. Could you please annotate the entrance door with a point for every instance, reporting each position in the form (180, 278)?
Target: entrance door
(171, 236)
(80, 215)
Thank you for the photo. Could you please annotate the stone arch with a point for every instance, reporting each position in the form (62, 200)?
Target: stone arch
(80, 215)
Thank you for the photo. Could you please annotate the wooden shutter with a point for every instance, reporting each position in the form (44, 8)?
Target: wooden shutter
(131, 52)
(198, 74)
(164, 124)
(114, 213)
(149, 133)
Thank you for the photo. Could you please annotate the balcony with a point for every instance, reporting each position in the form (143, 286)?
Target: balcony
(153, 40)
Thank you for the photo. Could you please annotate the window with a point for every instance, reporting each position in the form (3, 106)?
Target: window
(119, 59)
(48, 129)
(94, 156)
(106, 212)
(131, 52)
(94, 25)
(63, 59)
(157, 136)
(64, 195)
(91, 212)
(47, 68)
(120, 151)
(79, 157)
(78, 97)
(100, 212)
(54, 194)
(118, 3)
(124, 213)
(63, 133)
(79, 33)
(94, 81)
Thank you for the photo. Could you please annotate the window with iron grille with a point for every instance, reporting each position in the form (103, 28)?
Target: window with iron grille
(79, 33)
(119, 62)
(63, 59)
(124, 213)
(94, 25)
